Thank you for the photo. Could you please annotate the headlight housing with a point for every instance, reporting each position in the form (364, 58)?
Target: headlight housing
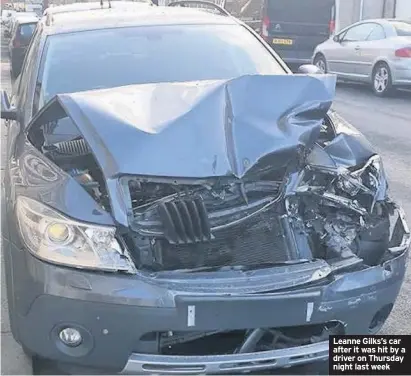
(372, 175)
(55, 238)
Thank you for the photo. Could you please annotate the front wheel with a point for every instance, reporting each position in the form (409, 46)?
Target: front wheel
(381, 80)
(321, 63)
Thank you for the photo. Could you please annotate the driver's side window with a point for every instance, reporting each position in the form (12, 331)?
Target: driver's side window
(22, 78)
(26, 74)
(358, 33)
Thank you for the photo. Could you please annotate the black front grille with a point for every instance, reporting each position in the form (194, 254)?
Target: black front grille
(256, 242)
(185, 221)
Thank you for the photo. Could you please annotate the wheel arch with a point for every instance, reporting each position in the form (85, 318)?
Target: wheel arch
(318, 54)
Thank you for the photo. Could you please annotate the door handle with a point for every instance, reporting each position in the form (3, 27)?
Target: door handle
(357, 48)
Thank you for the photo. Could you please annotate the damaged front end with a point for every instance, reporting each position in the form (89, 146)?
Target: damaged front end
(345, 212)
(319, 208)
(226, 204)
(245, 185)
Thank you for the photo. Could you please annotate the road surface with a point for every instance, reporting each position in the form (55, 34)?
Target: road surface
(387, 124)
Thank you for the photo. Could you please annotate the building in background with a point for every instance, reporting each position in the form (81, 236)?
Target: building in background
(403, 9)
(350, 11)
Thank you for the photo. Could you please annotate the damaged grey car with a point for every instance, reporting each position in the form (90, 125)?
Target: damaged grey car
(177, 202)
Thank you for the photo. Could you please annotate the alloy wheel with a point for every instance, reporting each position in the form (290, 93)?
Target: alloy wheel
(381, 79)
(320, 63)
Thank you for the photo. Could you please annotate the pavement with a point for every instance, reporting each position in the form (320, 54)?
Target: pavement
(387, 124)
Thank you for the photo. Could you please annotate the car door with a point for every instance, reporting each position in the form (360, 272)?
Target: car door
(369, 50)
(344, 57)
(11, 32)
(19, 100)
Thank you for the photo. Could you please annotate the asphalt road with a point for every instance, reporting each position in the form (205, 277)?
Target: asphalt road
(387, 124)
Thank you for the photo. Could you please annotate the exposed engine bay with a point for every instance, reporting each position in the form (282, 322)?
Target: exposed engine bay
(312, 208)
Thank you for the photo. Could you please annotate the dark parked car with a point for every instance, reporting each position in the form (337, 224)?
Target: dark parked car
(292, 27)
(21, 33)
(177, 201)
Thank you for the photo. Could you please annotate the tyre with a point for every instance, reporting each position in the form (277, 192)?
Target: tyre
(382, 80)
(321, 63)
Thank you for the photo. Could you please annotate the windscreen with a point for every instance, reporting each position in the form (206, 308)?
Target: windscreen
(151, 54)
(403, 28)
(26, 30)
(301, 11)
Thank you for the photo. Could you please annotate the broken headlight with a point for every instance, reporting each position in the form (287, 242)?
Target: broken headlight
(370, 179)
(55, 238)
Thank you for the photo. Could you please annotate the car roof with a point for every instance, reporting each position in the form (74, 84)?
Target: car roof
(138, 14)
(80, 7)
(26, 19)
(390, 20)
(22, 15)
(383, 21)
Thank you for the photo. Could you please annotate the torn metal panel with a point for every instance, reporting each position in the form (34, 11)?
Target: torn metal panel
(349, 148)
(201, 129)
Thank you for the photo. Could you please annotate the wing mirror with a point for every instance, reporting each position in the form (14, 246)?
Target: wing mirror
(336, 39)
(309, 69)
(7, 112)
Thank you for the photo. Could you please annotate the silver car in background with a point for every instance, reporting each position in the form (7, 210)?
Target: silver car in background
(372, 51)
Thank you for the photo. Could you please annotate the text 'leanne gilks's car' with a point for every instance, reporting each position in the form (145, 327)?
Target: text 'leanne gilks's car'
(200, 210)
(373, 51)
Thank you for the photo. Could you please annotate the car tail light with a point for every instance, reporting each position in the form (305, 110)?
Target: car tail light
(265, 27)
(403, 52)
(331, 26)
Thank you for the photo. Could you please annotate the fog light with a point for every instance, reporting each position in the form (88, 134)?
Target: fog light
(70, 337)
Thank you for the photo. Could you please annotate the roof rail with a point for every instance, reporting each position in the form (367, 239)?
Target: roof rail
(49, 19)
(221, 10)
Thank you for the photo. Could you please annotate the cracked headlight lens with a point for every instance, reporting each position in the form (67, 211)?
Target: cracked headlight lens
(55, 238)
(374, 177)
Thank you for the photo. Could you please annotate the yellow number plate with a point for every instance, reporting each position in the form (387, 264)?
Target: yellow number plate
(287, 42)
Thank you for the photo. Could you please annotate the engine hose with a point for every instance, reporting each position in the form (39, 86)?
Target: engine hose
(278, 336)
(251, 342)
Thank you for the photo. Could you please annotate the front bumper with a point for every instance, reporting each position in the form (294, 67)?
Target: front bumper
(114, 312)
(236, 363)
